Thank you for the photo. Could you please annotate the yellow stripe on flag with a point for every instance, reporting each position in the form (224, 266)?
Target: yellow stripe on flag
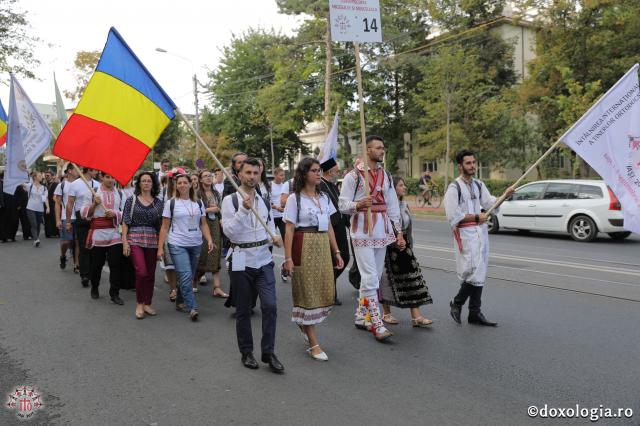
(3, 128)
(111, 101)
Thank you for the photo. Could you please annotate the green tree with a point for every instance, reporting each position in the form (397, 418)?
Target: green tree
(16, 42)
(83, 67)
(169, 138)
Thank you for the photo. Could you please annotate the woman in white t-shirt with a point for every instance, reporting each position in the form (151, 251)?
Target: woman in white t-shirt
(37, 205)
(183, 226)
(308, 247)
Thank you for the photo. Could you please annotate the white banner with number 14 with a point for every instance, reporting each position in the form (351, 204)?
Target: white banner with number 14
(355, 20)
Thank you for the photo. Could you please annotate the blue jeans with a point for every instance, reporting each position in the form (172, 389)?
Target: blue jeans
(185, 260)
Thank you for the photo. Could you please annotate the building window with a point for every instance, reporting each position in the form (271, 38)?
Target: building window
(430, 166)
(483, 170)
(557, 160)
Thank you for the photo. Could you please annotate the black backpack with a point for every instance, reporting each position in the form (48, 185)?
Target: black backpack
(236, 204)
(478, 184)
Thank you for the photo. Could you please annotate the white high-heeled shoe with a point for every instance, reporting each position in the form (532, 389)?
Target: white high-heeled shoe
(318, 357)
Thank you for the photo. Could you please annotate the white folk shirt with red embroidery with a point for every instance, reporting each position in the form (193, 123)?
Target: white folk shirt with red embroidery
(111, 200)
(382, 233)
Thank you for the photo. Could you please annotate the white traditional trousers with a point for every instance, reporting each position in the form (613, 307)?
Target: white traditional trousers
(371, 267)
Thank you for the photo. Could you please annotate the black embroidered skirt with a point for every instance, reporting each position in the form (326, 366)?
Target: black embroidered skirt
(402, 283)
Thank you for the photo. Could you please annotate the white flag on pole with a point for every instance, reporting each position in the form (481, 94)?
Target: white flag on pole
(607, 137)
(15, 170)
(62, 113)
(30, 128)
(330, 148)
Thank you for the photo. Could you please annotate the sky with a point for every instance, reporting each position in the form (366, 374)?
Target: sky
(196, 31)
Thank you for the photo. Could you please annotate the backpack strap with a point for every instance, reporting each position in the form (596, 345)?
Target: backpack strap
(298, 199)
(172, 205)
(236, 204)
(134, 198)
(478, 185)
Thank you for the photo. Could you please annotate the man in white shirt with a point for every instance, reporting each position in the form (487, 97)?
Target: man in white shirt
(218, 181)
(61, 199)
(104, 213)
(79, 195)
(276, 208)
(463, 203)
(370, 240)
(252, 265)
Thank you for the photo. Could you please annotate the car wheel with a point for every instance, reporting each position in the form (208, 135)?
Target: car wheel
(583, 229)
(619, 235)
(492, 224)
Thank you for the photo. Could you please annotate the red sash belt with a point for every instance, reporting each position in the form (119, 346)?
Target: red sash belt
(456, 232)
(99, 223)
(379, 205)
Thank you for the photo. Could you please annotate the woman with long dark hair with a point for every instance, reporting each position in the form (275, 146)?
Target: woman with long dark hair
(402, 283)
(142, 215)
(183, 226)
(309, 245)
(210, 261)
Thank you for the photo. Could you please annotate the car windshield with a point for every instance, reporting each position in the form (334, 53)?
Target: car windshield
(529, 192)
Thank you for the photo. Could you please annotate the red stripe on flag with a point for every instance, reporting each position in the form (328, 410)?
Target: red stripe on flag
(3, 139)
(97, 145)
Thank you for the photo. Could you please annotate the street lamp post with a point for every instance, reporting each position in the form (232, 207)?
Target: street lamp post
(196, 118)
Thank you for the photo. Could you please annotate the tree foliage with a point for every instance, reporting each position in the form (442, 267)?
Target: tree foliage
(83, 66)
(16, 43)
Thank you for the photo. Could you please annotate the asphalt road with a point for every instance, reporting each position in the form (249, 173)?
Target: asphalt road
(568, 334)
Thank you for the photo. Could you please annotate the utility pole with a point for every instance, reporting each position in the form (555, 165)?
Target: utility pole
(197, 114)
(273, 157)
(327, 79)
(448, 154)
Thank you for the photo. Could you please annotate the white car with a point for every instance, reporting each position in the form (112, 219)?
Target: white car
(580, 207)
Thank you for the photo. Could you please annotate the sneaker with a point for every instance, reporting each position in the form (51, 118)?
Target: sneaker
(195, 289)
(203, 280)
(63, 262)
(36, 243)
(194, 315)
(76, 269)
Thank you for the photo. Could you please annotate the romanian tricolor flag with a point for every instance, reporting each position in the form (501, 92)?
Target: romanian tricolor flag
(3, 125)
(120, 117)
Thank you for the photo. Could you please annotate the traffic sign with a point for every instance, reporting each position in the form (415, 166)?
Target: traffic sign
(355, 20)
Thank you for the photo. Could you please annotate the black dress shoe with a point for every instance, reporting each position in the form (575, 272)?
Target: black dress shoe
(85, 282)
(337, 302)
(94, 293)
(117, 300)
(455, 311)
(249, 361)
(275, 365)
(479, 319)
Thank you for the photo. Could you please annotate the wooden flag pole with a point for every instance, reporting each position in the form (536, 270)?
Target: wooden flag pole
(529, 170)
(363, 134)
(224, 170)
(84, 179)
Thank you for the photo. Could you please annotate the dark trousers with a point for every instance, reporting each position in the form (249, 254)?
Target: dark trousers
(113, 256)
(247, 285)
(24, 223)
(50, 229)
(84, 256)
(471, 292)
(9, 223)
(342, 240)
(279, 222)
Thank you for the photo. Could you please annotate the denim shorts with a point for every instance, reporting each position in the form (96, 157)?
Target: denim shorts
(67, 236)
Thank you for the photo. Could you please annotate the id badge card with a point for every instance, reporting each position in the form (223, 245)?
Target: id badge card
(193, 224)
(323, 222)
(238, 261)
